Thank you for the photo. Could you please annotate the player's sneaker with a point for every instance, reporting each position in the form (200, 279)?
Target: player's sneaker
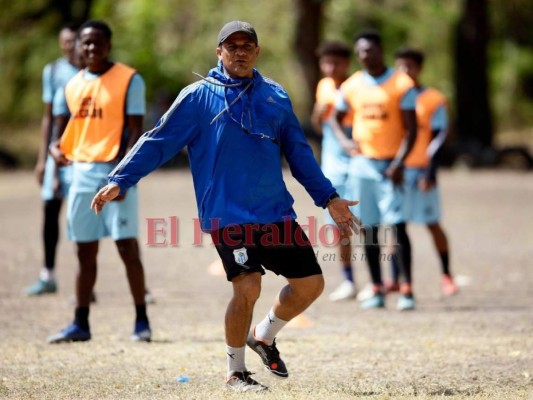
(405, 303)
(366, 293)
(142, 332)
(242, 382)
(269, 355)
(72, 333)
(346, 290)
(448, 286)
(376, 301)
(41, 287)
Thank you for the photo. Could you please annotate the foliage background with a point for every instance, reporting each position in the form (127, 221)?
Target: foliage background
(168, 39)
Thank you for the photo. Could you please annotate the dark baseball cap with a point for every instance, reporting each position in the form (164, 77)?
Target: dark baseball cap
(236, 26)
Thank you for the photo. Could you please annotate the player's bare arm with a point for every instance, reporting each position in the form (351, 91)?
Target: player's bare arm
(316, 117)
(57, 154)
(348, 145)
(61, 122)
(395, 171)
(46, 128)
(135, 129)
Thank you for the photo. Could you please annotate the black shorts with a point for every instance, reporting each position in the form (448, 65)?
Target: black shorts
(282, 248)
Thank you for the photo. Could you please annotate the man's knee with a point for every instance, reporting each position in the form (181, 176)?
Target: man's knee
(434, 228)
(87, 253)
(128, 248)
(318, 285)
(247, 287)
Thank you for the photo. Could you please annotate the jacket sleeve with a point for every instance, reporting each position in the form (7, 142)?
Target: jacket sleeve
(302, 162)
(173, 132)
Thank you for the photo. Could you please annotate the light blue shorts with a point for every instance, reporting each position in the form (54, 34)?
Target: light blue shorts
(420, 207)
(336, 168)
(380, 201)
(118, 219)
(65, 178)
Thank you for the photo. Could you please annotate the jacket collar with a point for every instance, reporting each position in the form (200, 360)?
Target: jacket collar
(218, 74)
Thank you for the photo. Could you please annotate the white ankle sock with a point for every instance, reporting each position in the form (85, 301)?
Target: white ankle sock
(267, 329)
(235, 358)
(46, 275)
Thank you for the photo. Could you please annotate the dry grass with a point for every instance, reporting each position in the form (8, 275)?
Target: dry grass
(477, 345)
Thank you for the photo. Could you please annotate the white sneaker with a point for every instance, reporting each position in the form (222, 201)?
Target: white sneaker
(241, 382)
(366, 293)
(346, 290)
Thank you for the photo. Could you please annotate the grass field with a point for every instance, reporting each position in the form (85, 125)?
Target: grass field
(476, 345)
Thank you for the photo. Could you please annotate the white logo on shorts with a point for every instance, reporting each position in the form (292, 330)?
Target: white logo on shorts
(241, 256)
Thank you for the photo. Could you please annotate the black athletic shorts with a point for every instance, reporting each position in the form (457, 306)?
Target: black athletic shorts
(282, 248)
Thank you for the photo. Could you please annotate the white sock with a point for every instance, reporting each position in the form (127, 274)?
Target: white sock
(267, 329)
(235, 358)
(47, 275)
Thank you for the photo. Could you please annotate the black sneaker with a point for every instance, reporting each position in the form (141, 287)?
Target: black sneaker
(269, 355)
(241, 382)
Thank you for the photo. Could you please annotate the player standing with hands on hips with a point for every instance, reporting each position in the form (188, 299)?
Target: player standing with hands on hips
(237, 125)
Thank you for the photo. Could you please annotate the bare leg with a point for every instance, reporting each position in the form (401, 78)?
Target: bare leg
(345, 250)
(291, 301)
(439, 237)
(441, 244)
(129, 253)
(294, 298)
(246, 291)
(86, 277)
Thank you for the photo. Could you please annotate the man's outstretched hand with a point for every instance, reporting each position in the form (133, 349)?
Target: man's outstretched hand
(343, 217)
(104, 195)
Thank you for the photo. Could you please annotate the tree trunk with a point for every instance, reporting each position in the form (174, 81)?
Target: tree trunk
(309, 16)
(474, 119)
(71, 12)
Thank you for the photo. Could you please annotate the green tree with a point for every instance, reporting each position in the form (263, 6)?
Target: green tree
(28, 40)
(168, 40)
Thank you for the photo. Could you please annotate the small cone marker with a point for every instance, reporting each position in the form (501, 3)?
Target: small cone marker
(300, 322)
(216, 268)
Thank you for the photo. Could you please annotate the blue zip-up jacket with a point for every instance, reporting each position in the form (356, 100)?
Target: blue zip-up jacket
(236, 131)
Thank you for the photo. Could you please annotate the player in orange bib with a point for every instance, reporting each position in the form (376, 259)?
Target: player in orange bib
(422, 193)
(384, 131)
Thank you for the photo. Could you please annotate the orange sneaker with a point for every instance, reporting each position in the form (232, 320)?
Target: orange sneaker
(448, 286)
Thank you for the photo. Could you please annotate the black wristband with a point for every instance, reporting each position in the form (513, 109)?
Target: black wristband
(334, 195)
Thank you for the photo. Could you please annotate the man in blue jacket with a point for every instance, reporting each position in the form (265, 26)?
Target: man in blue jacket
(237, 125)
